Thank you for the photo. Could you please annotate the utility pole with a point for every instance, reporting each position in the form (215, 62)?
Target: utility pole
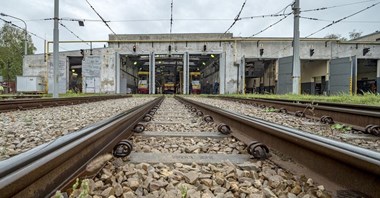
(9, 76)
(296, 48)
(56, 50)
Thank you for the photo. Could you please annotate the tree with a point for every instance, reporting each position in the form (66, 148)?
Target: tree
(354, 34)
(12, 50)
(335, 36)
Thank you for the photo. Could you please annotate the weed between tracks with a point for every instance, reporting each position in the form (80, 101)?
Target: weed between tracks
(366, 98)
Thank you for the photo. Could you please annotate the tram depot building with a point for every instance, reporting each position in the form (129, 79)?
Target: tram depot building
(213, 63)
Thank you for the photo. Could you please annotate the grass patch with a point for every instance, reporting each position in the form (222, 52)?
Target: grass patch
(366, 98)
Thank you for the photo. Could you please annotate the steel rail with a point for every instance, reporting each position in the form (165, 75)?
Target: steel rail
(345, 165)
(12, 105)
(358, 116)
(49, 167)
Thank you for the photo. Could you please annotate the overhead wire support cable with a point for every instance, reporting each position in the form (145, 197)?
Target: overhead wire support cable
(271, 25)
(346, 17)
(237, 17)
(104, 21)
(336, 6)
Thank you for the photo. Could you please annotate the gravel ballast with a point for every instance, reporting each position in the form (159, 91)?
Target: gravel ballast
(23, 130)
(303, 124)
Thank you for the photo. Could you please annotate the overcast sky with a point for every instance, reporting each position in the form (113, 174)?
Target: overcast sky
(190, 16)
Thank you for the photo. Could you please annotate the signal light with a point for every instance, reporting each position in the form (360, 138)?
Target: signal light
(170, 48)
(82, 52)
(81, 23)
(134, 48)
(261, 52)
(311, 52)
(204, 47)
(365, 51)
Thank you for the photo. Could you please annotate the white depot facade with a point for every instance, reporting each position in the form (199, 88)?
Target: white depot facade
(218, 63)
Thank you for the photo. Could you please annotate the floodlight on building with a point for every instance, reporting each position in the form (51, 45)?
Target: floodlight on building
(365, 51)
(203, 63)
(73, 70)
(311, 52)
(212, 56)
(135, 63)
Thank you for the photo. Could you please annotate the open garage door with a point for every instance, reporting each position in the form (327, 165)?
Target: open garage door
(285, 70)
(342, 73)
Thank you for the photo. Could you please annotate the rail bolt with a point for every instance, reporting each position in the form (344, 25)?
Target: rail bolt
(139, 128)
(199, 113)
(258, 150)
(208, 119)
(262, 106)
(299, 114)
(152, 112)
(224, 129)
(373, 129)
(283, 110)
(193, 109)
(147, 118)
(122, 149)
(327, 120)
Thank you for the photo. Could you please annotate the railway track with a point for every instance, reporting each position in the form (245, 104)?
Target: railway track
(364, 118)
(173, 142)
(24, 104)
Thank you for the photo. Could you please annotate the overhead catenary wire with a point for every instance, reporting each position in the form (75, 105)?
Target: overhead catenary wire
(325, 20)
(104, 21)
(346, 17)
(72, 32)
(14, 25)
(237, 17)
(29, 32)
(336, 6)
(262, 16)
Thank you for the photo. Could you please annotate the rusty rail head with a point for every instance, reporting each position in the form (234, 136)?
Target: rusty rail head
(43, 170)
(343, 164)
